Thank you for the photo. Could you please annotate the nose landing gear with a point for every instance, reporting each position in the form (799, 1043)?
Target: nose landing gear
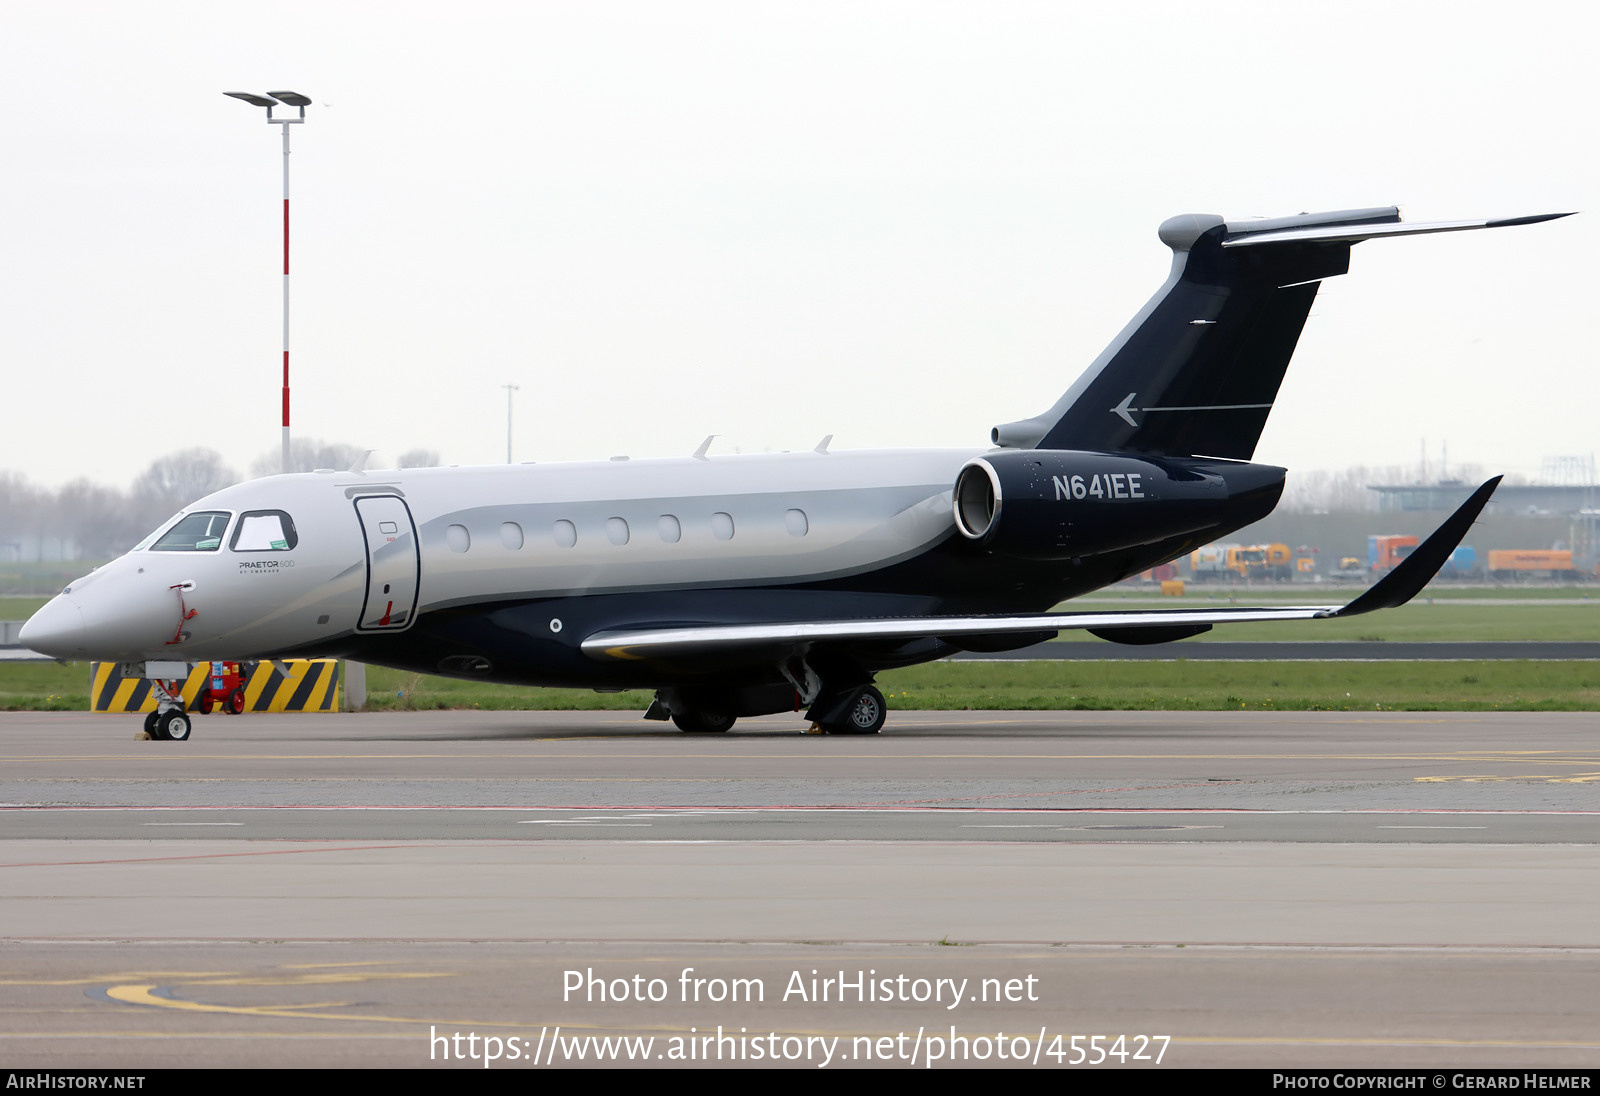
(171, 725)
(169, 722)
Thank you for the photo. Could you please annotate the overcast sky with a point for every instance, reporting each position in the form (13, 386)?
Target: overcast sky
(899, 223)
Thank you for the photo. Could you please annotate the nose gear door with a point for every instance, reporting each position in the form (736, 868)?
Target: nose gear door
(394, 563)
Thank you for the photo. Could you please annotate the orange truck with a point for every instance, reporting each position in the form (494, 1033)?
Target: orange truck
(1211, 562)
(1274, 561)
(1531, 563)
(1385, 551)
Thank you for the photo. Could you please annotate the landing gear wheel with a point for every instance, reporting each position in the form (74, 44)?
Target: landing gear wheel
(866, 715)
(235, 702)
(152, 725)
(701, 722)
(173, 726)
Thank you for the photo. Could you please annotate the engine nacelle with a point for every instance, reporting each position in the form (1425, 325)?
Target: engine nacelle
(1059, 504)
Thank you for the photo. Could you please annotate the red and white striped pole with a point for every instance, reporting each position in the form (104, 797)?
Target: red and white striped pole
(286, 462)
(270, 100)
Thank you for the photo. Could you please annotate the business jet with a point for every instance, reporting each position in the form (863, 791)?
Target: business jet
(747, 585)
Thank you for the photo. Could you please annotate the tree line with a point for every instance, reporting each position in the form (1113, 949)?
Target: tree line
(88, 520)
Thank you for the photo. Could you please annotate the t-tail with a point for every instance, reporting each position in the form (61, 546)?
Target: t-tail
(1196, 372)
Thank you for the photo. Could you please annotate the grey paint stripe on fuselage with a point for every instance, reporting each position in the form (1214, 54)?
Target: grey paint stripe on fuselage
(846, 532)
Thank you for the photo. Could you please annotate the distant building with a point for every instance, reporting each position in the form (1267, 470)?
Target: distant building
(1561, 500)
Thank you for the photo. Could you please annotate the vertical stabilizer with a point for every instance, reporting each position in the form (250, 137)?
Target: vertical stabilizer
(1196, 372)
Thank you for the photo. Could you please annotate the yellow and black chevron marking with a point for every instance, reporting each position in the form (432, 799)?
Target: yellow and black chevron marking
(312, 686)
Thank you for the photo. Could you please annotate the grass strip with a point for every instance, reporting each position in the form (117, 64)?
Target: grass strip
(1510, 686)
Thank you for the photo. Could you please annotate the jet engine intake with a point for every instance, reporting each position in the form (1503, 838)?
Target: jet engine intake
(1053, 504)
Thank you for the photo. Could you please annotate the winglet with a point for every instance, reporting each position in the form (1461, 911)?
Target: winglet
(1402, 584)
(705, 446)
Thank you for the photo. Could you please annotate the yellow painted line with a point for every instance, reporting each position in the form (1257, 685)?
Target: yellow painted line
(145, 995)
(309, 979)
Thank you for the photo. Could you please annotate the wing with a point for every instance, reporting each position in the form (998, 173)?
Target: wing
(1138, 626)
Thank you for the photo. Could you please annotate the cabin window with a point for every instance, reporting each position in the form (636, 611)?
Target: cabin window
(265, 531)
(667, 525)
(566, 533)
(511, 536)
(795, 521)
(201, 532)
(722, 525)
(617, 531)
(457, 537)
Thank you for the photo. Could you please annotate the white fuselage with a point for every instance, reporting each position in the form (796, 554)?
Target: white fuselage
(494, 534)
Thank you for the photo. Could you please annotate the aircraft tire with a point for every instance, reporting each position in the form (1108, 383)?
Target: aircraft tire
(174, 725)
(866, 716)
(702, 722)
(152, 725)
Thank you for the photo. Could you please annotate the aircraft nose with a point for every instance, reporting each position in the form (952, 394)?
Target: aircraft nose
(56, 630)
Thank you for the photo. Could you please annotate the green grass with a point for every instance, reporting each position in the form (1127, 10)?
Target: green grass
(1239, 686)
(1045, 686)
(395, 690)
(34, 579)
(1332, 592)
(1416, 622)
(44, 687)
(20, 608)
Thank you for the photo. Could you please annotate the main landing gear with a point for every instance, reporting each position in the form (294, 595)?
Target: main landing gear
(865, 714)
(857, 709)
(697, 710)
(700, 721)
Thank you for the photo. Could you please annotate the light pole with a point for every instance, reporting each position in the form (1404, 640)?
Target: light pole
(510, 388)
(270, 100)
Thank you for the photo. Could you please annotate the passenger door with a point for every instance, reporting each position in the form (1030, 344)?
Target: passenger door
(394, 563)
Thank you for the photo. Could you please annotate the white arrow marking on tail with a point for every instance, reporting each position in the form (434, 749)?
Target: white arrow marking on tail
(1125, 408)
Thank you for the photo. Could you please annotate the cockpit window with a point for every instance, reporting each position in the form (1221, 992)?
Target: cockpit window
(200, 532)
(265, 531)
(154, 533)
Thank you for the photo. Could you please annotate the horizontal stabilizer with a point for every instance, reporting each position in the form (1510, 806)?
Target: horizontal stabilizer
(1240, 236)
